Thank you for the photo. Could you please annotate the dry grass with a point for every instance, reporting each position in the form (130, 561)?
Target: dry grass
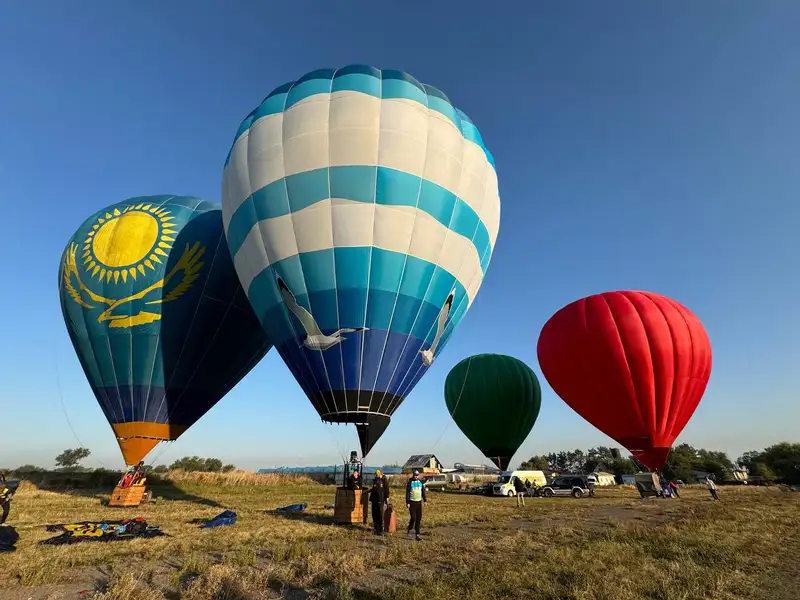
(247, 478)
(613, 547)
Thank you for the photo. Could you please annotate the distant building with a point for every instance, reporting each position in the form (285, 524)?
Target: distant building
(424, 463)
(700, 475)
(476, 469)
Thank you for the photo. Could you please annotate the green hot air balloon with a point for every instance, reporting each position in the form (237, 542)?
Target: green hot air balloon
(495, 400)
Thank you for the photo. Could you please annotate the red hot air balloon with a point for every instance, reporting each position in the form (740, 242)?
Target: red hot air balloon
(633, 364)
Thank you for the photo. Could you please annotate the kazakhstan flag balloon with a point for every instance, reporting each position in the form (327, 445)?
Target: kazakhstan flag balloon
(361, 208)
(156, 314)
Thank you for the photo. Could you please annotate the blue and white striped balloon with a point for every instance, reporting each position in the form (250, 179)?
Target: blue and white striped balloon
(361, 208)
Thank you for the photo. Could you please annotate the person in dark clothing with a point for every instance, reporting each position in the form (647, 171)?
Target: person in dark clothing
(519, 491)
(6, 492)
(354, 481)
(378, 498)
(415, 497)
(674, 488)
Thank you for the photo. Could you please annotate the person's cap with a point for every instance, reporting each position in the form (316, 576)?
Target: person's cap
(416, 472)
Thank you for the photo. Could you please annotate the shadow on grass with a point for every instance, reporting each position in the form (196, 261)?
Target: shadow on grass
(99, 485)
(304, 516)
(8, 538)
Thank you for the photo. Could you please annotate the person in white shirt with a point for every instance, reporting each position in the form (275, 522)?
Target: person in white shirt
(712, 487)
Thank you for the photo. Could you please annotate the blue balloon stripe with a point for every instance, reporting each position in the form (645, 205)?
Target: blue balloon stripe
(382, 366)
(386, 84)
(392, 188)
(357, 307)
(390, 272)
(357, 82)
(123, 404)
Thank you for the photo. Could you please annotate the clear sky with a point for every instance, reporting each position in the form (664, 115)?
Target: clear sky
(638, 145)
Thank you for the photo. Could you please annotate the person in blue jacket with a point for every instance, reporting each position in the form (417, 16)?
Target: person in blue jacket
(415, 496)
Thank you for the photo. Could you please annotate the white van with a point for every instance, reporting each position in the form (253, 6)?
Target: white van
(504, 486)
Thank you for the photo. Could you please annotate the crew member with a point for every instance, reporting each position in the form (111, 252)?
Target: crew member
(712, 487)
(378, 497)
(415, 496)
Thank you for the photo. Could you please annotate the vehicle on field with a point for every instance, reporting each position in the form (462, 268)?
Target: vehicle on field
(435, 482)
(576, 486)
(484, 489)
(504, 486)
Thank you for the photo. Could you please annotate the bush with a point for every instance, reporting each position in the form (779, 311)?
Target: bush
(200, 465)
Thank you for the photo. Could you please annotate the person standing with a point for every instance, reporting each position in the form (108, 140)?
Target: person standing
(712, 487)
(6, 492)
(519, 491)
(378, 497)
(5, 508)
(674, 487)
(415, 497)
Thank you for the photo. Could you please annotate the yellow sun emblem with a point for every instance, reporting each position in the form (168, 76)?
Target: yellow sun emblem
(126, 243)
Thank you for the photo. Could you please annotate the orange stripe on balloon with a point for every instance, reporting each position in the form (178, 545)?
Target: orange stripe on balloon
(138, 438)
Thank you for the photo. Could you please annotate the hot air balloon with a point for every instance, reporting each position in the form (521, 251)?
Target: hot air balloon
(495, 400)
(361, 208)
(156, 315)
(633, 364)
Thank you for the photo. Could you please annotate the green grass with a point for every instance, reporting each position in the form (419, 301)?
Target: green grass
(614, 546)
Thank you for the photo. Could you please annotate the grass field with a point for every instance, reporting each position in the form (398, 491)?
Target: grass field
(614, 546)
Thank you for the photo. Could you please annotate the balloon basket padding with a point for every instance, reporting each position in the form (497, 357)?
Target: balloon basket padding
(128, 496)
(350, 506)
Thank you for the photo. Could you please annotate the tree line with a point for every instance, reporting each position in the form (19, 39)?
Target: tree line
(780, 462)
(70, 459)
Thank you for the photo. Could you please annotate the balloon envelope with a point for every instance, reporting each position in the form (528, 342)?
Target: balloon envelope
(495, 400)
(634, 364)
(361, 208)
(156, 314)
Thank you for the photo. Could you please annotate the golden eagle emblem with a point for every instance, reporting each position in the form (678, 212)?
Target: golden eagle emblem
(136, 307)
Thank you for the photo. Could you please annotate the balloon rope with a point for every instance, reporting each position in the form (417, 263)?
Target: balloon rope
(336, 441)
(63, 406)
(455, 408)
(162, 448)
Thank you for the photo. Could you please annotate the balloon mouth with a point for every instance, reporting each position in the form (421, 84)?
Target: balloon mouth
(646, 452)
(370, 411)
(501, 457)
(136, 439)
(348, 406)
(652, 458)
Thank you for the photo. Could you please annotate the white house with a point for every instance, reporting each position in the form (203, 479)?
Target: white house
(424, 463)
(604, 478)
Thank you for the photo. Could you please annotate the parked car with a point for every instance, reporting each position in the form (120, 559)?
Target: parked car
(435, 482)
(485, 489)
(576, 486)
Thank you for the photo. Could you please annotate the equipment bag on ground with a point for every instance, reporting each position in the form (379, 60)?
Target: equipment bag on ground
(389, 520)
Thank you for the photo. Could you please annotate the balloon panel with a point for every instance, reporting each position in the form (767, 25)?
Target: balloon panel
(365, 199)
(156, 314)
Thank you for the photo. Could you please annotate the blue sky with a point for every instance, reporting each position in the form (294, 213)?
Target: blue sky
(639, 145)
